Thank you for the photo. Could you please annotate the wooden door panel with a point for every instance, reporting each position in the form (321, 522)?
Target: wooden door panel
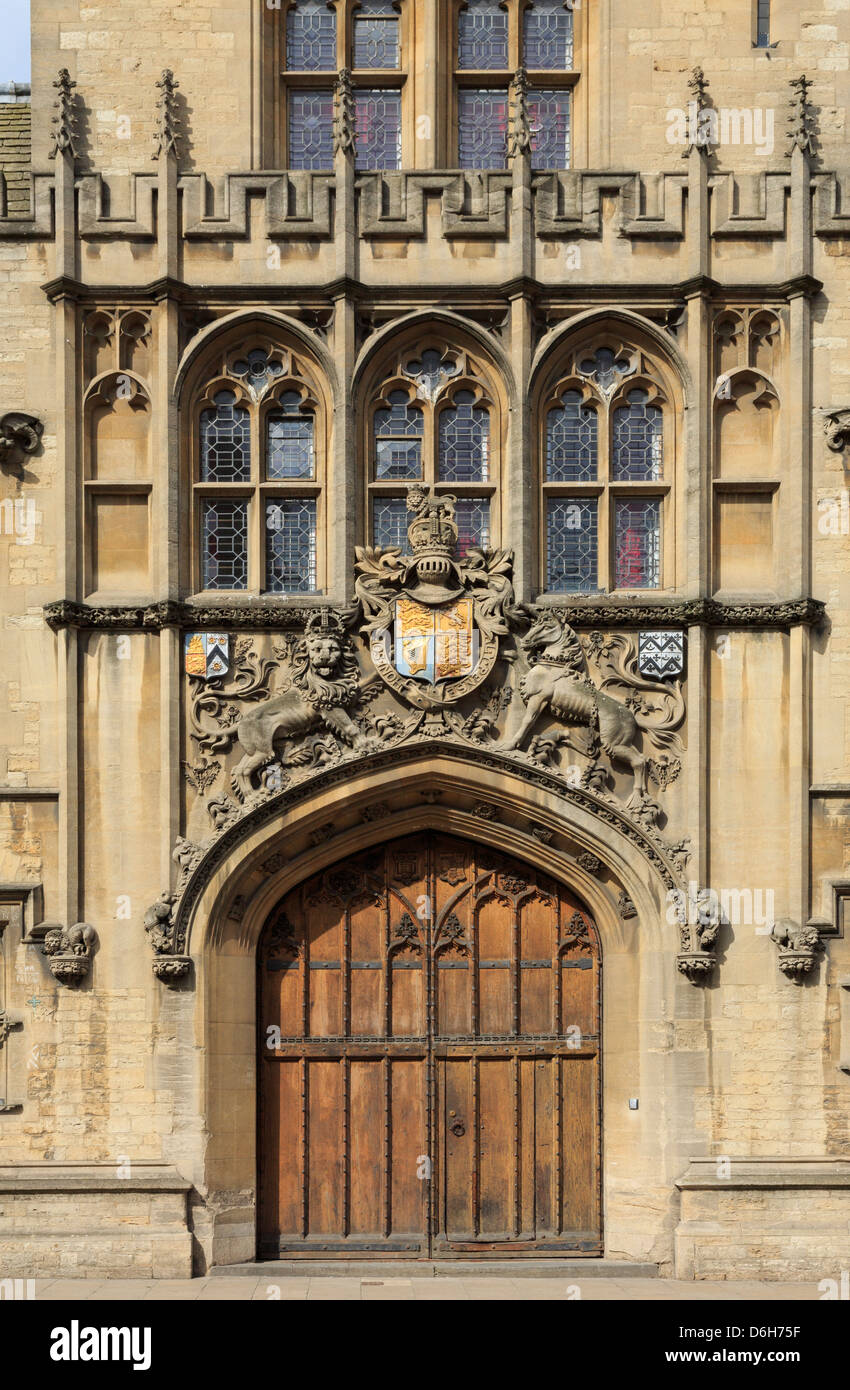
(435, 1087)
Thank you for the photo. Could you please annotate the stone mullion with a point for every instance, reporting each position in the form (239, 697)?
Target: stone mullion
(795, 528)
(68, 465)
(693, 494)
(517, 492)
(342, 501)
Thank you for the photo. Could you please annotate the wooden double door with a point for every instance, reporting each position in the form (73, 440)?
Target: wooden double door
(429, 1060)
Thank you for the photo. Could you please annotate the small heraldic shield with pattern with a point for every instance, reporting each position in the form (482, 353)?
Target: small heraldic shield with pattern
(661, 655)
(207, 655)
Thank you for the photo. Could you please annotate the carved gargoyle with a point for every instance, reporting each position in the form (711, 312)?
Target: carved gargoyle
(20, 435)
(836, 427)
(799, 947)
(326, 684)
(558, 682)
(69, 951)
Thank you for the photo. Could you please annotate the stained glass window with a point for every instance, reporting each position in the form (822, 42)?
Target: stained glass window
(390, 520)
(291, 545)
(606, 368)
(398, 438)
(549, 116)
(225, 442)
(311, 129)
(571, 441)
(482, 35)
(638, 440)
(464, 441)
(289, 440)
(763, 24)
(256, 368)
(572, 546)
(472, 515)
(482, 128)
(548, 36)
(224, 544)
(376, 34)
(638, 542)
(378, 128)
(311, 37)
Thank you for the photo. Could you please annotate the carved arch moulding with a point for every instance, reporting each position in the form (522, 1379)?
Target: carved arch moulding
(435, 662)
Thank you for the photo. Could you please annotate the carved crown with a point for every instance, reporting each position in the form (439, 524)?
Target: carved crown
(432, 534)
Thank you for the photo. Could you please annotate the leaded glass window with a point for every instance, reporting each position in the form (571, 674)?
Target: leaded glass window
(289, 440)
(256, 368)
(605, 477)
(378, 128)
(464, 441)
(225, 441)
(763, 24)
(472, 515)
(224, 544)
(389, 522)
(638, 542)
(398, 438)
(482, 35)
(572, 434)
(548, 36)
(549, 116)
(572, 545)
(375, 37)
(291, 545)
(638, 440)
(311, 37)
(311, 129)
(482, 127)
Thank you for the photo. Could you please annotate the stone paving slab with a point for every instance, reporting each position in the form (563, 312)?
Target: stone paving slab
(348, 1289)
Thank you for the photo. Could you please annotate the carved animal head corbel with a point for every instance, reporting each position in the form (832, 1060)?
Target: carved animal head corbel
(69, 951)
(799, 947)
(20, 436)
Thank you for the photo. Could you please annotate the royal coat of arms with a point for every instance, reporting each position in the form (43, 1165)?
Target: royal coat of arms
(433, 619)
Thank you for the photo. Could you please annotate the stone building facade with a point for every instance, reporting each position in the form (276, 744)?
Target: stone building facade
(425, 683)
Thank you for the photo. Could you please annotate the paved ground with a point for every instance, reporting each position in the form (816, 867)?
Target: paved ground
(433, 1289)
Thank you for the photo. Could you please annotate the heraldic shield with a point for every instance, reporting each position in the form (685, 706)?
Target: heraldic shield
(434, 620)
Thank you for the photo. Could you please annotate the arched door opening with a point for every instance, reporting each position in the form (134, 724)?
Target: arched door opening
(429, 1034)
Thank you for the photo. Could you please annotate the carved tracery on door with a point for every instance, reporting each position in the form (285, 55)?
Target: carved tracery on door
(434, 1087)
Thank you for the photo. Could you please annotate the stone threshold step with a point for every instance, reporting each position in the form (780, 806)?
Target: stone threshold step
(428, 1269)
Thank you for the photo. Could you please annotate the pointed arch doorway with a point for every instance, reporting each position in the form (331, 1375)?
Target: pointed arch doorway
(434, 1089)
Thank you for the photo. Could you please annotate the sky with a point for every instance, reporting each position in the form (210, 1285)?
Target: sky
(15, 43)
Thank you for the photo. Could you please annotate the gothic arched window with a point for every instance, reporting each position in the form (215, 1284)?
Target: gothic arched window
(433, 422)
(258, 463)
(606, 463)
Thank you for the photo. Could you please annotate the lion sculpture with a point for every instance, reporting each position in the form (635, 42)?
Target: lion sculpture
(326, 683)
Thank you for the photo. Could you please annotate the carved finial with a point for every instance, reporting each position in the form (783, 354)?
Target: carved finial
(65, 120)
(166, 138)
(702, 118)
(344, 116)
(519, 139)
(800, 117)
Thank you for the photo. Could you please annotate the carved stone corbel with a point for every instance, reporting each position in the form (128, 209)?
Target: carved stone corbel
(20, 436)
(799, 947)
(169, 963)
(69, 951)
(698, 938)
(836, 427)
